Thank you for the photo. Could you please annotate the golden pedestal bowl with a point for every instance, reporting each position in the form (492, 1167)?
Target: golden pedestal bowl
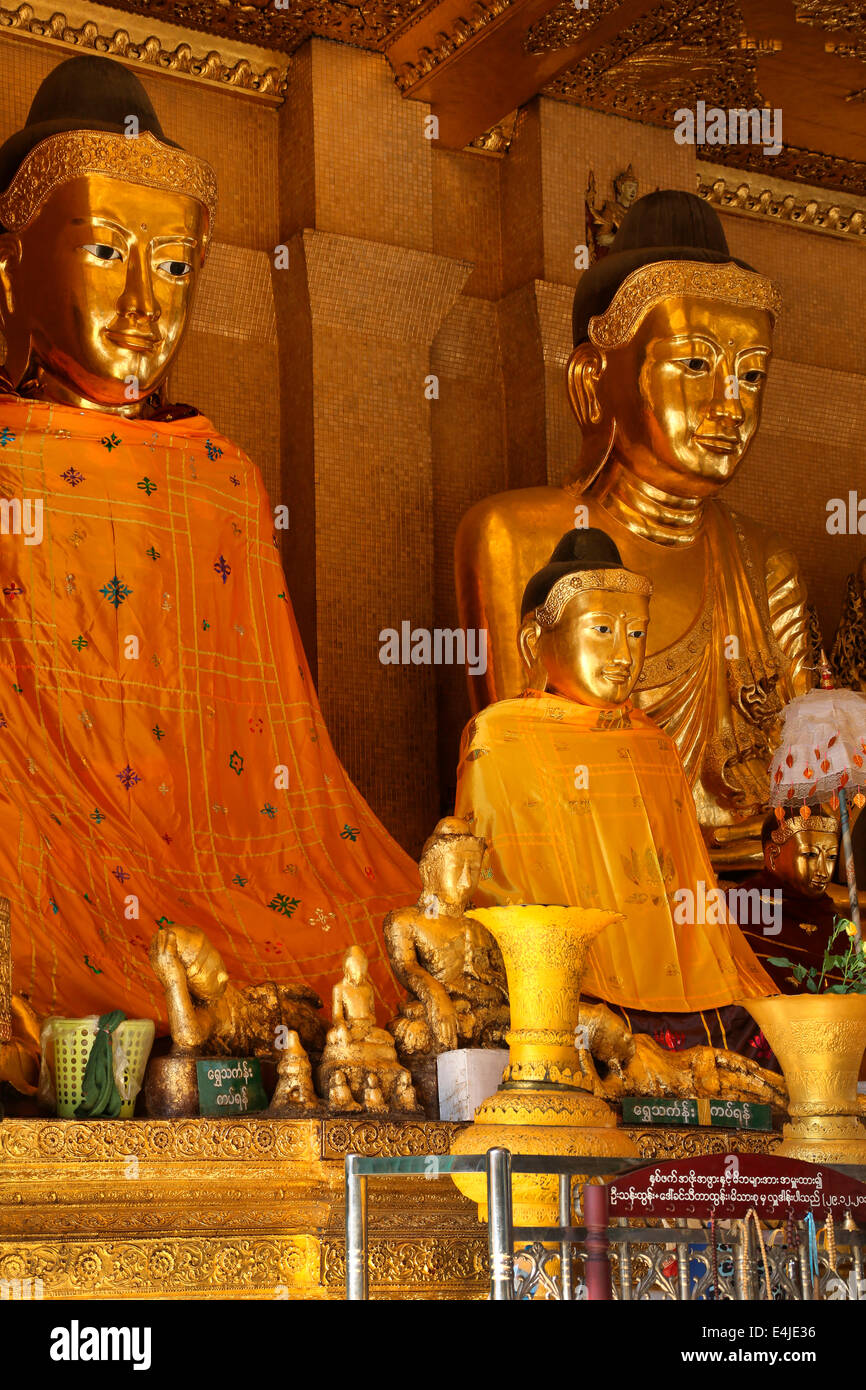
(542, 1106)
(819, 1040)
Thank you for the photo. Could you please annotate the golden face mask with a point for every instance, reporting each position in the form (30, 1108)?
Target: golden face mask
(96, 290)
(805, 859)
(594, 651)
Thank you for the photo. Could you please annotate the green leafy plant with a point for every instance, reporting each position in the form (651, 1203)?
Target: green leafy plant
(851, 965)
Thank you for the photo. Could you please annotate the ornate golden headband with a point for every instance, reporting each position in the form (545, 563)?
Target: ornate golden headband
(787, 829)
(650, 285)
(72, 154)
(616, 581)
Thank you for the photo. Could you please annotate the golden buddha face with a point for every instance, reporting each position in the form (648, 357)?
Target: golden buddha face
(451, 869)
(95, 293)
(685, 392)
(805, 861)
(595, 652)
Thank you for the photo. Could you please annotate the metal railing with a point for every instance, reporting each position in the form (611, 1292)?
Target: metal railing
(498, 1165)
(657, 1261)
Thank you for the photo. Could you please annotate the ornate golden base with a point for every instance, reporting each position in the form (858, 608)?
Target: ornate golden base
(543, 1121)
(245, 1208)
(824, 1139)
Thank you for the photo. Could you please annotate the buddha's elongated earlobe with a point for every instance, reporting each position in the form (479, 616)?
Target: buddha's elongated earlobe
(586, 367)
(528, 640)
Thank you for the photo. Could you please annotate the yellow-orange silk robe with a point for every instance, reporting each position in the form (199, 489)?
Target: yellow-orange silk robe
(154, 701)
(602, 817)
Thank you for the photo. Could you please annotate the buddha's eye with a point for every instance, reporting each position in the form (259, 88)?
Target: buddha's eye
(177, 270)
(103, 252)
(696, 366)
(754, 377)
(638, 632)
(601, 627)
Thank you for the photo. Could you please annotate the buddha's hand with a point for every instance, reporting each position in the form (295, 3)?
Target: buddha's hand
(167, 965)
(442, 1017)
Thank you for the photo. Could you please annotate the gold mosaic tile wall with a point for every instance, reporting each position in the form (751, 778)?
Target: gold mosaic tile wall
(406, 264)
(810, 445)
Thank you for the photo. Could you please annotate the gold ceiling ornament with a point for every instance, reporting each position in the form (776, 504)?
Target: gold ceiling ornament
(479, 14)
(828, 171)
(650, 284)
(676, 53)
(782, 205)
(72, 154)
(497, 140)
(612, 581)
(151, 52)
(831, 14)
(565, 25)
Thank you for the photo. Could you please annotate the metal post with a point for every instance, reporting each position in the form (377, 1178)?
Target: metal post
(500, 1225)
(743, 1277)
(856, 1254)
(805, 1272)
(683, 1280)
(357, 1286)
(848, 851)
(624, 1263)
(595, 1211)
(565, 1246)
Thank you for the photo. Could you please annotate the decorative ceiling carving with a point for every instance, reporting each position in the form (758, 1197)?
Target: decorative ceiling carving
(368, 24)
(780, 204)
(831, 14)
(149, 51)
(680, 52)
(566, 25)
(803, 166)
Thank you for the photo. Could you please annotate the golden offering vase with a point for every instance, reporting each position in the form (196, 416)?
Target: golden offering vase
(543, 1105)
(819, 1040)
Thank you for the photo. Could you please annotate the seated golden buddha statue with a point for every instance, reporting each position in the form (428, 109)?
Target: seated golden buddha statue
(164, 756)
(357, 1053)
(447, 960)
(449, 963)
(583, 800)
(672, 342)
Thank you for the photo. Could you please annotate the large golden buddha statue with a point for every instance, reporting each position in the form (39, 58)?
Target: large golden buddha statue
(164, 758)
(582, 800)
(672, 342)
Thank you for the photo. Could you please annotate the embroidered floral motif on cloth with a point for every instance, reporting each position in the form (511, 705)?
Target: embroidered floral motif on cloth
(163, 754)
(577, 808)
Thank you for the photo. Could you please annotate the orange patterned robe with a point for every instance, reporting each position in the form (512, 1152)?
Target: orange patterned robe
(592, 807)
(163, 756)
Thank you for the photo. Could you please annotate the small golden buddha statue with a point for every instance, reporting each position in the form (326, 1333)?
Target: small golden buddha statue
(447, 960)
(357, 1052)
(583, 800)
(672, 342)
(800, 853)
(295, 1094)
